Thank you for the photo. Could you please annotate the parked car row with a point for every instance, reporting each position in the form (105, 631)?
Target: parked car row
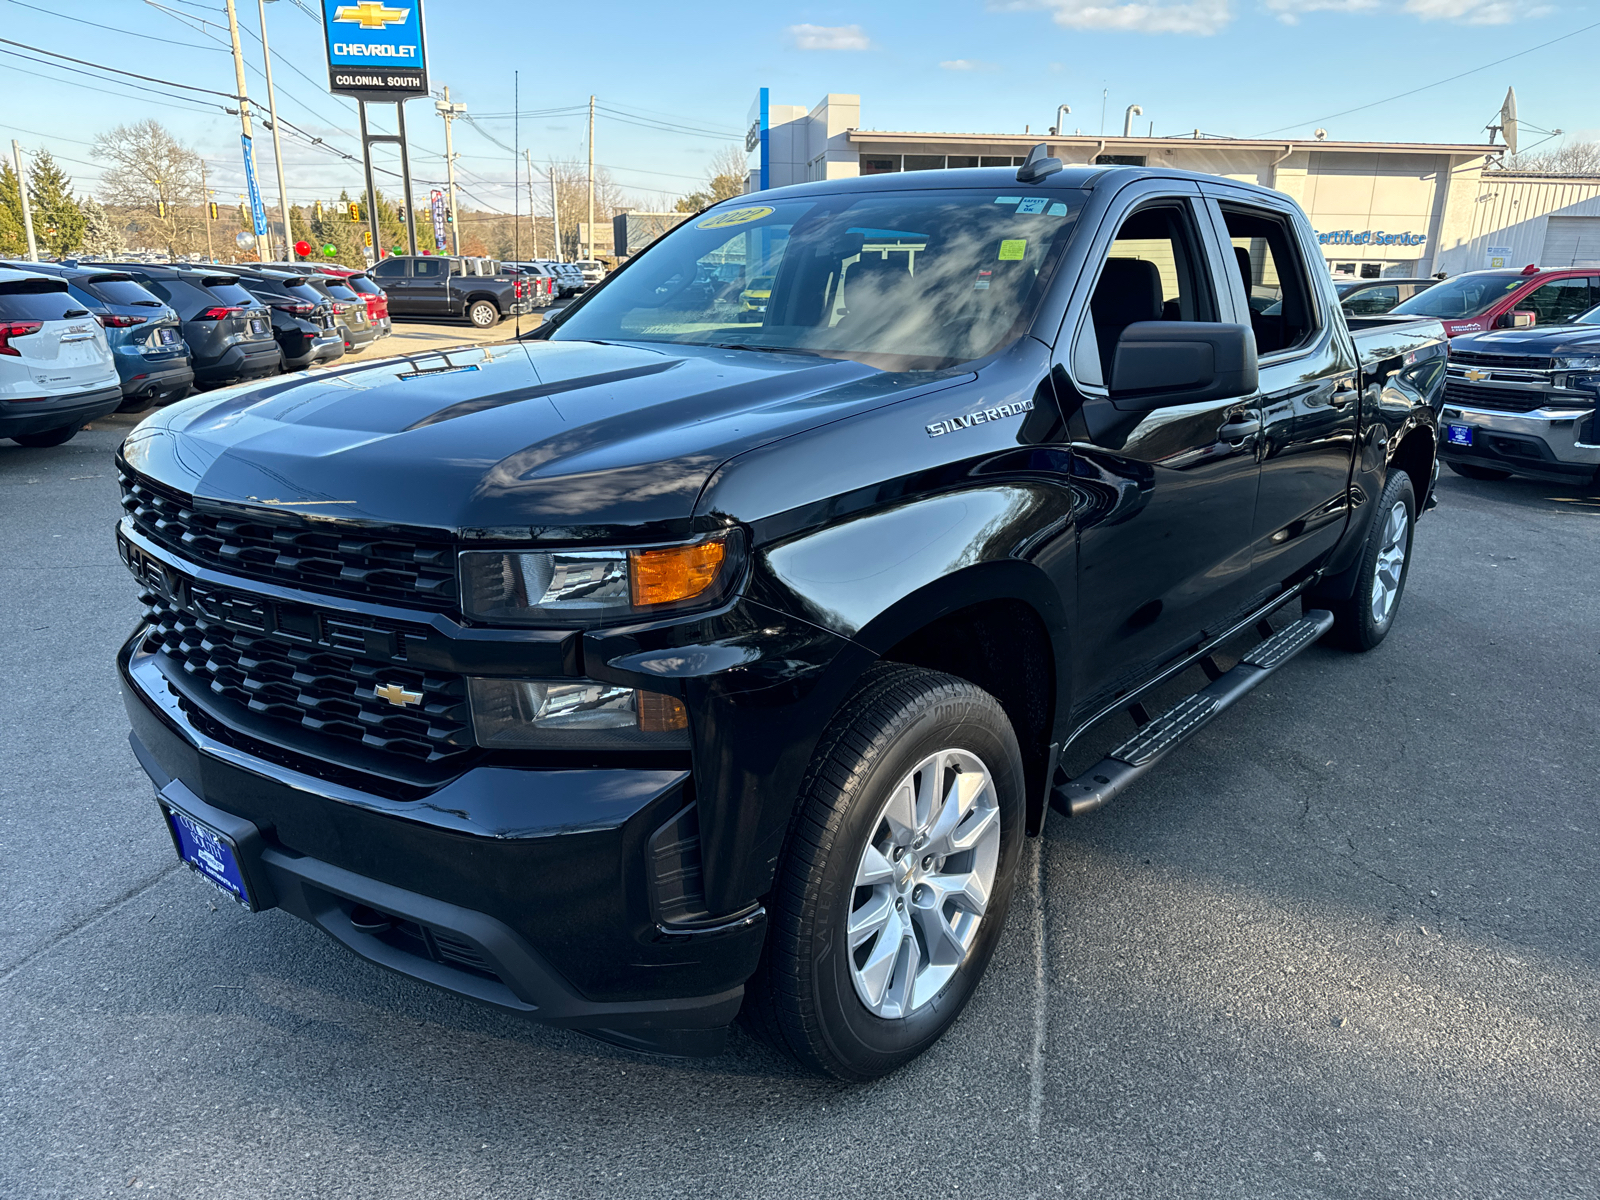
(81, 339)
(442, 287)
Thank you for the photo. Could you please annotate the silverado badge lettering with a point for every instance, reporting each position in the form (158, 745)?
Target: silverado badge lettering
(952, 424)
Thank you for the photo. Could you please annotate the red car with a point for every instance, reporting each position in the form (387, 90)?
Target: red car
(1478, 301)
(361, 282)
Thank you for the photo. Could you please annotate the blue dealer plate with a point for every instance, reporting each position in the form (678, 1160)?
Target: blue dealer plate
(1458, 435)
(208, 853)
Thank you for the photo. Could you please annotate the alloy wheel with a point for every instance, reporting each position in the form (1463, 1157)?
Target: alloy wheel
(923, 883)
(1391, 563)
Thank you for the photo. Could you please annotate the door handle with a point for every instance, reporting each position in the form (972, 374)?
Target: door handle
(1237, 431)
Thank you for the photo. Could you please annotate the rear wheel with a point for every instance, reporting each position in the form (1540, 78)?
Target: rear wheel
(894, 887)
(483, 314)
(1363, 619)
(1473, 471)
(50, 437)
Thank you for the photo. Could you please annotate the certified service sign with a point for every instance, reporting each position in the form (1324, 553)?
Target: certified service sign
(375, 49)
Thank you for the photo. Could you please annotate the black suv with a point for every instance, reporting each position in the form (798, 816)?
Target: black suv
(228, 330)
(303, 319)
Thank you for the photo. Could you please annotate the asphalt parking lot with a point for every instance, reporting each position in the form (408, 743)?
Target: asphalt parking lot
(1344, 944)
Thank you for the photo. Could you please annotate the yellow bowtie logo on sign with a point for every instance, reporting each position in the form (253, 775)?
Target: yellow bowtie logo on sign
(370, 14)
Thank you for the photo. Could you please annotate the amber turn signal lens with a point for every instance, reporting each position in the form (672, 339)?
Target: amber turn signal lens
(660, 714)
(675, 573)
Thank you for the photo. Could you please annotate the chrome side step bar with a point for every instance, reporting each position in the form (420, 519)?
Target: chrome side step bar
(1133, 759)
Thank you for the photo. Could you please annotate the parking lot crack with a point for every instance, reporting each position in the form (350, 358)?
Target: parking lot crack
(85, 922)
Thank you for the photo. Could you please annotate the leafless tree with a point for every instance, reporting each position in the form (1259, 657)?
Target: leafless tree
(1574, 158)
(156, 179)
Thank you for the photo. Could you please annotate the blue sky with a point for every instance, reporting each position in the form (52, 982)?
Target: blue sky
(1237, 67)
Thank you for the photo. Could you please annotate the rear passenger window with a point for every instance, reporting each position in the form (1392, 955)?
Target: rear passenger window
(1154, 271)
(1273, 277)
(1558, 301)
(38, 300)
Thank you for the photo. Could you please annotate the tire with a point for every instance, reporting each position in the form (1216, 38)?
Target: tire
(136, 404)
(1363, 619)
(857, 1012)
(1473, 471)
(50, 437)
(483, 314)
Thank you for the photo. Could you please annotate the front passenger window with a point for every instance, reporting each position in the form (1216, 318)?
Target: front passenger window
(1275, 283)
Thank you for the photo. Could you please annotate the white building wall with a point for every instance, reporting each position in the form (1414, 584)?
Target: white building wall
(1514, 211)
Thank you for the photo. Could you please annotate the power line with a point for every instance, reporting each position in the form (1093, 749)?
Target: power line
(1435, 83)
(186, 106)
(118, 70)
(149, 37)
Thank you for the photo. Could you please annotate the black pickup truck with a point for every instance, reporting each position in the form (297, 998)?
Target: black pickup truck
(682, 659)
(439, 288)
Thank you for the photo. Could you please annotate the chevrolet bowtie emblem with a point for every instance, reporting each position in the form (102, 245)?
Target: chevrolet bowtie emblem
(370, 14)
(397, 695)
(1476, 375)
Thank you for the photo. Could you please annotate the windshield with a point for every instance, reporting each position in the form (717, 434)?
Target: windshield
(927, 278)
(1463, 296)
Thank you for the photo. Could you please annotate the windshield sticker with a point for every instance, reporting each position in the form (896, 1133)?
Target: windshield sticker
(1008, 199)
(982, 280)
(1058, 210)
(1012, 249)
(1033, 204)
(739, 216)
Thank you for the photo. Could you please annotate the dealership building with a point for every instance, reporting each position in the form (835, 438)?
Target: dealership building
(1379, 208)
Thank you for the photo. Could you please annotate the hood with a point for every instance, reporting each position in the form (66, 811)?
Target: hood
(1535, 342)
(518, 439)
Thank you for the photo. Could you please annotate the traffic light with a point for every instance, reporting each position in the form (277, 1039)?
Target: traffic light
(317, 209)
(401, 214)
(355, 212)
(366, 236)
(211, 210)
(161, 208)
(449, 218)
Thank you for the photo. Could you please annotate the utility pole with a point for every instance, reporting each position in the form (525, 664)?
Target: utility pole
(244, 107)
(27, 209)
(591, 175)
(277, 146)
(205, 199)
(555, 212)
(533, 221)
(450, 112)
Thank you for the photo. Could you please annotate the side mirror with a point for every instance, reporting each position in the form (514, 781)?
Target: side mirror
(1516, 320)
(1159, 364)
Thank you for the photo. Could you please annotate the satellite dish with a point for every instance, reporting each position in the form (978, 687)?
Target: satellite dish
(1321, 135)
(1508, 119)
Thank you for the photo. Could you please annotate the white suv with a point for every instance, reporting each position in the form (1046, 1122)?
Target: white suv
(56, 371)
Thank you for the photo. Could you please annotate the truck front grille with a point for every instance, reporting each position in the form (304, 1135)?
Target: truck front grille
(1515, 362)
(314, 688)
(286, 549)
(1470, 395)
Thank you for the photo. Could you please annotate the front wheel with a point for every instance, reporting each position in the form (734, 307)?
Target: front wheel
(50, 437)
(483, 314)
(1473, 471)
(1363, 619)
(894, 886)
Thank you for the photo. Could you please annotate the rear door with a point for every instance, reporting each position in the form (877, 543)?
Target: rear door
(393, 275)
(1165, 547)
(1307, 383)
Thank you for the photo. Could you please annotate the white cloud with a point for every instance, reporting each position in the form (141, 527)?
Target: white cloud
(829, 37)
(1474, 12)
(966, 64)
(1198, 17)
(1290, 11)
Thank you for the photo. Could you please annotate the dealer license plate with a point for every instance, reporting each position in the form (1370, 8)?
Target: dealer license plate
(169, 336)
(209, 854)
(257, 325)
(1458, 435)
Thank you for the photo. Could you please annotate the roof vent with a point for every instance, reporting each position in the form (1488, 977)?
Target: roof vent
(1038, 166)
(1530, 269)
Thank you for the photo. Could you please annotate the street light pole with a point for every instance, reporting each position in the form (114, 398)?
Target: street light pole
(27, 209)
(277, 145)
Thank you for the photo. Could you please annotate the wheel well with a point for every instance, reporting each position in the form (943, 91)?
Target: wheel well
(476, 296)
(1003, 647)
(1414, 456)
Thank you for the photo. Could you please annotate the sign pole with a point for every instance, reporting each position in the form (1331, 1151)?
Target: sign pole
(405, 177)
(372, 192)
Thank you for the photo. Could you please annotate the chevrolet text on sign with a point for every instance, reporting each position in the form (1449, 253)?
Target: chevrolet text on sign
(375, 50)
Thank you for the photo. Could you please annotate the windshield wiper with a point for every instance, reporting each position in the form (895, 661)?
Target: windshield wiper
(762, 349)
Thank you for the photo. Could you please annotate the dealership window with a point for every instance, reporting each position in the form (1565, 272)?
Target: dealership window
(880, 164)
(1119, 160)
(1560, 300)
(1000, 160)
(961, 160)
(924, 162)
(1274, 279)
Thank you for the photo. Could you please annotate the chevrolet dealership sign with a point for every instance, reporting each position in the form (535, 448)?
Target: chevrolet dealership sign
(375, 50)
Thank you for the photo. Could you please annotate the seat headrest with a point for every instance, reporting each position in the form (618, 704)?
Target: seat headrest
(1246, 271)
(1129, 290)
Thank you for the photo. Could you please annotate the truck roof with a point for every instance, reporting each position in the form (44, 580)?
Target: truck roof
(1078, 176)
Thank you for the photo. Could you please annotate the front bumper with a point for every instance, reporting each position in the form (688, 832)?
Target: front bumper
(523, 889)
(52, 412)
(1560, 442)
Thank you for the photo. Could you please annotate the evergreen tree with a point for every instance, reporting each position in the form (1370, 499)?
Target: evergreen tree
(58, 222)
(13, 236)
(101, 237)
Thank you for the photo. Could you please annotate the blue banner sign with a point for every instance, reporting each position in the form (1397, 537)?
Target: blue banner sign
(436, 197)
(258, 211)
(1371, 237)
(375, 49)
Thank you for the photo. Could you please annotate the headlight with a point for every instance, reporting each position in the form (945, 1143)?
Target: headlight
(566, 587)
(1590, 383)
(1582, 362)
(574, 714)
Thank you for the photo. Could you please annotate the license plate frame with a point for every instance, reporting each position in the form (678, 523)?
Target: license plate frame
(168, 336)
(217, 846)
(257, 325)
(1458, 435)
